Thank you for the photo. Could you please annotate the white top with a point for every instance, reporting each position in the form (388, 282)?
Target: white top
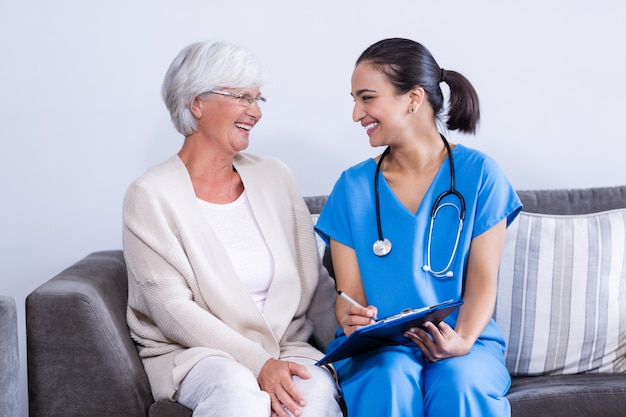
(236, 227)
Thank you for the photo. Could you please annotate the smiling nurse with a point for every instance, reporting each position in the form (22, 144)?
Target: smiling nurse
(422, 223)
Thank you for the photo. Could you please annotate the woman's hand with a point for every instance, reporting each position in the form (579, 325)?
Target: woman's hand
(276, 378)
(355, 317)
(439, 342)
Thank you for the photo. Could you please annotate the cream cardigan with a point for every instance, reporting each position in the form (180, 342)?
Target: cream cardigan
(185, 301)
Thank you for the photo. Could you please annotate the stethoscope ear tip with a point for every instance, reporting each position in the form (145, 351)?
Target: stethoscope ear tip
(448, 274)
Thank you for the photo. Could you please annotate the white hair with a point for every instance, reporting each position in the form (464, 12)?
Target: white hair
(203, 66)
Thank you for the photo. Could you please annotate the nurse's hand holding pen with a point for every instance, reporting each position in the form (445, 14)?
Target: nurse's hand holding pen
(355, 315)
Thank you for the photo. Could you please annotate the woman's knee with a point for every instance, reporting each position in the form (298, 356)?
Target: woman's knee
(216, 381)
(320, 390)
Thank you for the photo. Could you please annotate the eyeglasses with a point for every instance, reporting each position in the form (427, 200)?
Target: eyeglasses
(245, 100)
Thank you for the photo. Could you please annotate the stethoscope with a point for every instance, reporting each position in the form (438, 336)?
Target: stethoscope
(382, 246)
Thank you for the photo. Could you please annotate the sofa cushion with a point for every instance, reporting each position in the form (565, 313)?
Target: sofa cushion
(562, 293)
(598, 395)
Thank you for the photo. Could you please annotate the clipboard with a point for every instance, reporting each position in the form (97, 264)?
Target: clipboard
(388, 331)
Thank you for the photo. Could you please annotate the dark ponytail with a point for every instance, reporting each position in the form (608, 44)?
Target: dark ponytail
(408, 64)
(464, 109)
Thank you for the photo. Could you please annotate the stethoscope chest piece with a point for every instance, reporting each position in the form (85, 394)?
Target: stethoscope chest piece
(382, 247)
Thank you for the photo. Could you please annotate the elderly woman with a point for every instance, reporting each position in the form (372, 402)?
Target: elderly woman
(225, 283)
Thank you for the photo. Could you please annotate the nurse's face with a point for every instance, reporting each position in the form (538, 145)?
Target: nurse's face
(377, 107)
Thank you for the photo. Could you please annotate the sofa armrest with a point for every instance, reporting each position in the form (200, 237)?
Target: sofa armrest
(81, 358)
(10, 404)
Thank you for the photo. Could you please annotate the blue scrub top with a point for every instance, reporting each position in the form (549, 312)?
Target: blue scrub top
(397, 281)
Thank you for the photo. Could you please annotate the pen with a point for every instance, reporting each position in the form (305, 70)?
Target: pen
(351, 301)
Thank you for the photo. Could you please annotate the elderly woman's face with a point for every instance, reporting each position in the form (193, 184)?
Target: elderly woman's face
(226, 116)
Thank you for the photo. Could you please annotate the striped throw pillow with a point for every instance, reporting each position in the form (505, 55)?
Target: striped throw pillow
(562, 293)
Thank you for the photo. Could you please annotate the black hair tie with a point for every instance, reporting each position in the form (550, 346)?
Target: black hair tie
(443, 75)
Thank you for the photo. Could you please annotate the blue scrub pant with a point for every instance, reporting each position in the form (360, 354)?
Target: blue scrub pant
(399, 382)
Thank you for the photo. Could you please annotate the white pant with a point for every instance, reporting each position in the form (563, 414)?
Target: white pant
(218, 386)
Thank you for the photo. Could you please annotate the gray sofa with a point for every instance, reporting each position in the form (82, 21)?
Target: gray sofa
(10, 401)
(82, 361)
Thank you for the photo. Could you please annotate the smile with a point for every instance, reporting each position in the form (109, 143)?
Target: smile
(243, 126)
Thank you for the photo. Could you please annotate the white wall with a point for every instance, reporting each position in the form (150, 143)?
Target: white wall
(81, 114)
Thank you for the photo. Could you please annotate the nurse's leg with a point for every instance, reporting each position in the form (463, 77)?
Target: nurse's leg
(385, 383)
(470, 385)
